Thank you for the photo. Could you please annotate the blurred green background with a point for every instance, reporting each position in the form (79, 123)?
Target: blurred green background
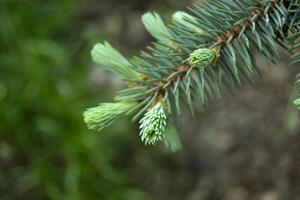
(244, 147)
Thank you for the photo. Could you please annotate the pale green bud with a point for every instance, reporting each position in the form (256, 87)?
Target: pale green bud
(105, 114)
(153, 125)
(203, 57)
(111, 59)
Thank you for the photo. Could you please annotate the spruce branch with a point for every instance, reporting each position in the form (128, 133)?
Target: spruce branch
(198, 54)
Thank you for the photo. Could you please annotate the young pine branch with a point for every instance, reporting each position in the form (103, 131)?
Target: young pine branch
(193, 59)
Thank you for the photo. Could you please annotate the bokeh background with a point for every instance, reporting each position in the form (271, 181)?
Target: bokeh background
(245, 146)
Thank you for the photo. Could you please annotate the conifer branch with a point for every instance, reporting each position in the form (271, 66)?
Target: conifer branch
(194, 57)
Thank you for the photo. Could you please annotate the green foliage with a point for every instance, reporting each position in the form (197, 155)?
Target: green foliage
(46, 152)
(198, 54)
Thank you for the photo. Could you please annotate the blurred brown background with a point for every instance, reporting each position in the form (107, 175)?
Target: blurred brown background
(243, 147)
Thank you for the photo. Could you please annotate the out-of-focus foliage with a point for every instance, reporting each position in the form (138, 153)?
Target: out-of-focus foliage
(46, 151)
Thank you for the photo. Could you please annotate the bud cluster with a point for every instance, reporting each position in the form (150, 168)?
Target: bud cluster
(153, 125)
